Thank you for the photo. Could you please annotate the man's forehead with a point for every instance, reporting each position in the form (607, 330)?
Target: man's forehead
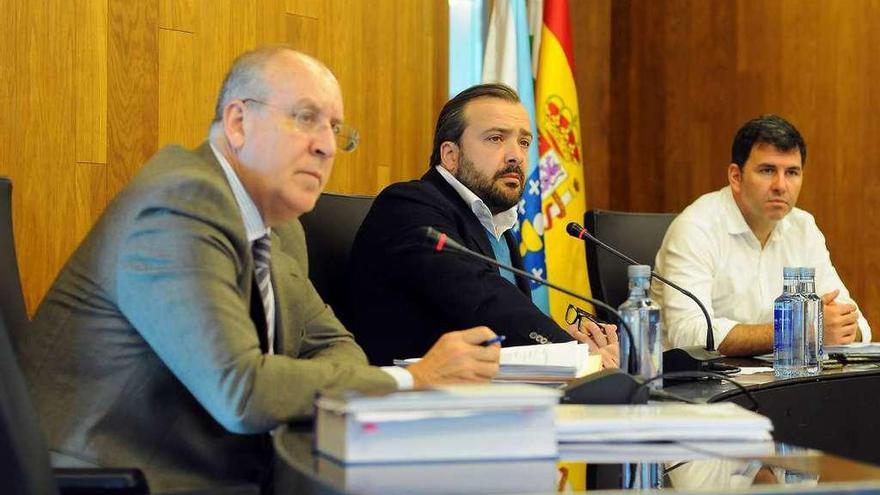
(298, 80)
(769, 154)
(489, 113)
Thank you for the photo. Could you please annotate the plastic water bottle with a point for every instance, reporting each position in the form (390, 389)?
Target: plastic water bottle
(814, 322)
(788, 328)
(791, 476)
(642, 315)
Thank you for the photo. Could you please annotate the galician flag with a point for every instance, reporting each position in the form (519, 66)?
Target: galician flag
(561, 166)
(508, 60)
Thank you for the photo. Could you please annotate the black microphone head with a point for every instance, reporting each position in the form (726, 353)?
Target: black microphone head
(574, 229)
(440, 241)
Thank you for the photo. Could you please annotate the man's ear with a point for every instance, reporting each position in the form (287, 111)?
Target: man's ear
(450, 154)
(734, 177)
(233, 124)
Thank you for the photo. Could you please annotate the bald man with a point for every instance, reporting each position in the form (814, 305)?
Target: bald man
(184, 327)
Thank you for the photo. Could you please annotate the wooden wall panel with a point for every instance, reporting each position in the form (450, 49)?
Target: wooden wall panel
(90, 81)
(178, 15)
(591, 37)
(92, 88)
(133, 84)
(37, 134)
(685, 74)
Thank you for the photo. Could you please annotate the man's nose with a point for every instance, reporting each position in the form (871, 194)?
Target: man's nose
(324, 142)
(516, 155)
(780, 181)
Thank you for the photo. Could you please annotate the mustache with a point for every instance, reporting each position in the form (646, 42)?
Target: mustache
(512, 169)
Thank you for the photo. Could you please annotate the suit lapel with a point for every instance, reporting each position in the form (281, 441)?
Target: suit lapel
(255, 302)
(475, 234)
(517, 261)
(289, 318)
(286, 313)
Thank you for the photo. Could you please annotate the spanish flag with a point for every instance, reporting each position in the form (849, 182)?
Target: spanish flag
(559, 146)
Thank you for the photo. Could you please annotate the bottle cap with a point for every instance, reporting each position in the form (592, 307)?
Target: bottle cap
(790, 272)
(808, 272)
(635, 271)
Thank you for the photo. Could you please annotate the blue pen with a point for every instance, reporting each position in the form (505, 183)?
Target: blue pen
(494, 340)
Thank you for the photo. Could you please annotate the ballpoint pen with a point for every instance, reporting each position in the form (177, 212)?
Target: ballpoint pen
(494, 340)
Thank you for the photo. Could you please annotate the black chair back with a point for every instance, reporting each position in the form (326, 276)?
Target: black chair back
(12, 308)
(24, 459)
(330, 231)
(637, 235)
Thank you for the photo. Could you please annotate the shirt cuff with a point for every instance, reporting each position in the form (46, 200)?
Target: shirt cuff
(865, 329)
(403, 377)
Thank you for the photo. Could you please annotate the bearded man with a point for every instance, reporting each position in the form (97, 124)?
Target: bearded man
(402, 293)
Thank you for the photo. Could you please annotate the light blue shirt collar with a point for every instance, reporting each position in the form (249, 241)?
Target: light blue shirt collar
(253, 221)
(495, 224)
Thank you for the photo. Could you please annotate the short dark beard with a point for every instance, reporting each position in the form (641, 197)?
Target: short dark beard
(485, 188)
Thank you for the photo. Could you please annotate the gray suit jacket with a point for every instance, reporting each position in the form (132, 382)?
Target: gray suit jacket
(143, 352)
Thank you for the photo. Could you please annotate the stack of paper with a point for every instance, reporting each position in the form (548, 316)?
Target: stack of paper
(443, 424)
(538, 363)
(653, 452)
(545, 361)
(660, 422)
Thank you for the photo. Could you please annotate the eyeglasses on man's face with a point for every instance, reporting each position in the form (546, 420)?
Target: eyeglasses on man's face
(309, 121)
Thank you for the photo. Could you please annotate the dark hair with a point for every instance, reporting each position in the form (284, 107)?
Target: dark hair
(451, 123)
(766, 129)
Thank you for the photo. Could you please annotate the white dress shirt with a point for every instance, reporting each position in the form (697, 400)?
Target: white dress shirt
(496, 224)
(255, 229)
(711, 251)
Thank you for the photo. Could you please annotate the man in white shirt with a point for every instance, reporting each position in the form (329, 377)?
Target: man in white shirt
(729, 248)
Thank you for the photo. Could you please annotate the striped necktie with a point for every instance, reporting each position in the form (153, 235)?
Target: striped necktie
(262, 254)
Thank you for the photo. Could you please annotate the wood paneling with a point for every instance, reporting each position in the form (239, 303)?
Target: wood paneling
(90, 81)
(91, 89)
(685, 74)
(37, 128)
(178, 15)
(591, 37)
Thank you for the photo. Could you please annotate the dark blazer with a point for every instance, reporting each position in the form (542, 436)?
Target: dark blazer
(143, 352)
(404, 295)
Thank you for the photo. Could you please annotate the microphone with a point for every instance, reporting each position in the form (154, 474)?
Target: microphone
(609, 386)
(689, 358)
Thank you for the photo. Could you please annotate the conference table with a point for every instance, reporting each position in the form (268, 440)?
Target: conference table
(837, 411)
(825, 433)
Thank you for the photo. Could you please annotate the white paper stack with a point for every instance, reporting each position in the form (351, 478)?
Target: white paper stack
(660, 422)
(653, 452)
(565, 360)
(537, 363)
(443, 424)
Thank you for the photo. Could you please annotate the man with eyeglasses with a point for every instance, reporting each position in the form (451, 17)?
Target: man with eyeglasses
(184, 327)
(403, 294)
